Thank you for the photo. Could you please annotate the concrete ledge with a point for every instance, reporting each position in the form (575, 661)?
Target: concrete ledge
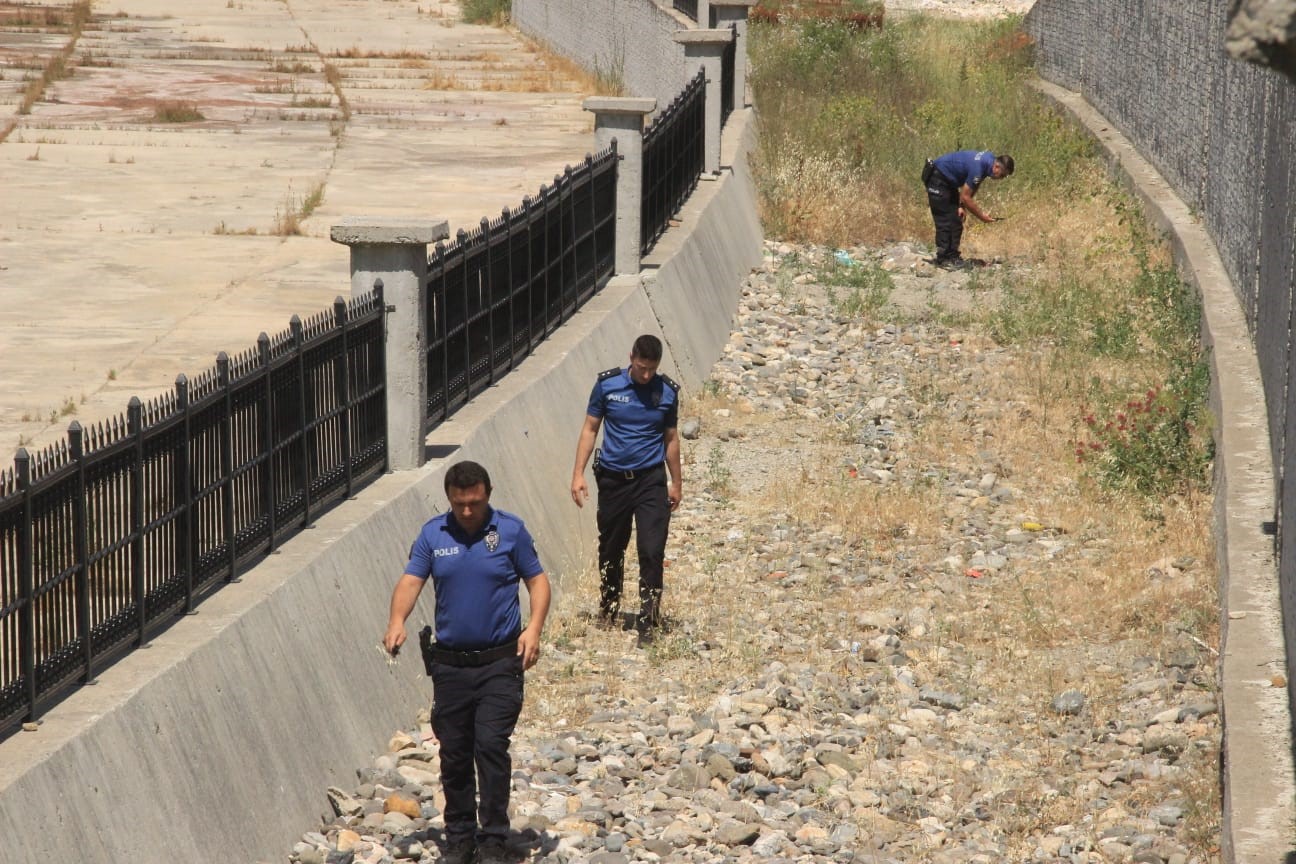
(356, 230)
(1259, 784)
(703, 37)
(218, 741)
(620, 104)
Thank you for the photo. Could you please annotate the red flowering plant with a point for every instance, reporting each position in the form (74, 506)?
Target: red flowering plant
(1155, 444)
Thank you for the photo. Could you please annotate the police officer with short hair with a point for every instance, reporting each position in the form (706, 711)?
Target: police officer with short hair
(952, 181)
(475, 556)
(638, 410)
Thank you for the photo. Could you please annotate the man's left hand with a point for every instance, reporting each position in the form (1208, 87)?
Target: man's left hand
(529, 648)
(674, 493)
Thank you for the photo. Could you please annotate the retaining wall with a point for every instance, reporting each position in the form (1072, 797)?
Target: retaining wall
(1217, 137)
(627, 40)
(217, 741)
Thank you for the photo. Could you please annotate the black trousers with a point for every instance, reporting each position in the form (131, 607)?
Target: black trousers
(474, 711)
(943, 199)
(643, 501)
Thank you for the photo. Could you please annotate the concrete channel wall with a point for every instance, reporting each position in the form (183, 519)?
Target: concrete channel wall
(631, 41)
(1206, 142)
(217, 741)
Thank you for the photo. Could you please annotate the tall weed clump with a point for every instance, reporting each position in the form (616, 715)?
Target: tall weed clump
(849, 116)
(487, 11)
(1126, 352)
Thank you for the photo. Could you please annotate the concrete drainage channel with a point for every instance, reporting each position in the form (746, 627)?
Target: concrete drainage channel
(160, 760)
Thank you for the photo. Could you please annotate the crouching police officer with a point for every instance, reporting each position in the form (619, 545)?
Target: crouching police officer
(476, 556)
(638, 410)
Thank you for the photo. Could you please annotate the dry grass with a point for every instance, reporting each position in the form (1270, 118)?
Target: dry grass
(294, 210)
(334, 78)
(58, 66)
(356, 52)
(568, 76)
(442, 81)
(177, 112)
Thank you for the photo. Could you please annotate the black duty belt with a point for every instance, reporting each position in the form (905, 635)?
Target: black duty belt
(434, 653)
(931, 174)
(605, 471)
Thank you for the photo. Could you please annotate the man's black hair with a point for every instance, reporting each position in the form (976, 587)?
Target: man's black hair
(1007, 162)
(465, 475)
(647, 347)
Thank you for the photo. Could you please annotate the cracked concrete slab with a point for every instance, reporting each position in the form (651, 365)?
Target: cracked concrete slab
(133, 249)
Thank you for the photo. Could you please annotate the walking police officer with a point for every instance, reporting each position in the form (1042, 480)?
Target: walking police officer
(476, 556)
(638, 410)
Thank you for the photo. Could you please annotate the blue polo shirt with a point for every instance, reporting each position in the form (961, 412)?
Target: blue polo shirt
(966, 166)
(475, 578)
(635, 418)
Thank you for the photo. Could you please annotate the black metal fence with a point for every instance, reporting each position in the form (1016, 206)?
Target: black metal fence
(673, 156)
(106, 537)
(495, 293)
(727, 76)
(688, 7)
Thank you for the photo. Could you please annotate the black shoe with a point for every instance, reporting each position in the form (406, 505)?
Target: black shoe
(460, 852)
(497, 852)
(646, 630)
(952, 264)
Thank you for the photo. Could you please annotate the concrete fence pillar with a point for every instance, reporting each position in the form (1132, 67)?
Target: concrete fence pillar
(621, 119)
(734, 13)
(395, 251)
(704, 49)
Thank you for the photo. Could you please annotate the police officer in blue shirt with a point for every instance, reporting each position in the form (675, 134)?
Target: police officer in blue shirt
(952, 181)
(476, 556)
(638, 410)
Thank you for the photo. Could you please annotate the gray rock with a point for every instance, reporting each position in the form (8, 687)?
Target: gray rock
(737, 834)
(1166, 740)
(1167, 814)
(952, 701)
(344, 804)
(688, 777)
(1070, 702)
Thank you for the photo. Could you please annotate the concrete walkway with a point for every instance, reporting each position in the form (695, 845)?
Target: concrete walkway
(133, 249)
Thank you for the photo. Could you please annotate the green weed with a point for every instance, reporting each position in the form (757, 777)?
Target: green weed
(487, 11)
(719, 477)
(868, 287)
(849, 116)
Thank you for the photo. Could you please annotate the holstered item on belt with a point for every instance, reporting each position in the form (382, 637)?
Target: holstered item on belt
(598, 460)
(927, 172)
(425, 646)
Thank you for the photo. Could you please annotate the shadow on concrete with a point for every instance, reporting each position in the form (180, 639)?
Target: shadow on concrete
(438, 451)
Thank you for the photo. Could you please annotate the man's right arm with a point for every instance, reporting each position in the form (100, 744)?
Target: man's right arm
(404, 596)
(968, 202)
(584, 448)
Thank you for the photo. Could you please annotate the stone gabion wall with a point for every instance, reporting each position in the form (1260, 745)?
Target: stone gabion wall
(1223, 133)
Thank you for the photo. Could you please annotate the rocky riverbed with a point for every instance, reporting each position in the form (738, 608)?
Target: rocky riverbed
(888, 637)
